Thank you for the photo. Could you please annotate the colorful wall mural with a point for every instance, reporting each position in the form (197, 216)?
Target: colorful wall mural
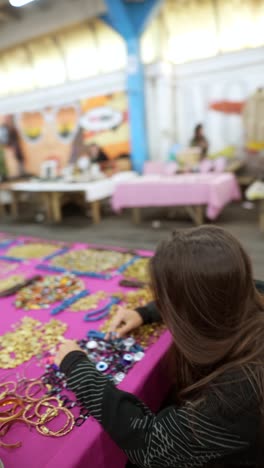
(63, 133)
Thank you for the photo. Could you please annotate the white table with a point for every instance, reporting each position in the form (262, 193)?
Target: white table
(51, 192)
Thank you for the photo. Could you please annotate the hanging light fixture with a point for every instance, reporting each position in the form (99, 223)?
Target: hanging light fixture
(19, 3)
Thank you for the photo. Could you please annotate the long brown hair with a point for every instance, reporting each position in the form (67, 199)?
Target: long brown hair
(203, 283)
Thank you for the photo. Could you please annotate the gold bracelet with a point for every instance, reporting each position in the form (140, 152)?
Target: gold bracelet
(50, 414)
(46, 402)
(3, 431)
(23, 385)
(7, 391)
(28, 418)
(29, 387)
(15, 402)
(44, 430)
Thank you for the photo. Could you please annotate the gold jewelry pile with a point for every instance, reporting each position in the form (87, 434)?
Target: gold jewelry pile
(32, 250)
(97, 261)
(134, 299)
(146, 334)
(89, 302)
(138, 270)
(10, 282)
(29, 338)
(27, 402)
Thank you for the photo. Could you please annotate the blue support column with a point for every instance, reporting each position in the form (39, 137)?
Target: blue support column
(136, 99)
(129, 19)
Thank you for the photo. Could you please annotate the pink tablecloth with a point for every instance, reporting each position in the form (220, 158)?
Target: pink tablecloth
(88, 445)
(213, 190)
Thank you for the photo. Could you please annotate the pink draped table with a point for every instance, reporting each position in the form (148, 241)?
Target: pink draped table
(193, 191)
(87, 445)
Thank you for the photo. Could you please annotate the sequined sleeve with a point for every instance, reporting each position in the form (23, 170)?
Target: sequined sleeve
(184, 437)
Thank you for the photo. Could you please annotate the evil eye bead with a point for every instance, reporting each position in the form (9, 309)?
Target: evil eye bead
(101, 346)
(138, 356)
(101, 366)
(128, 342)
(91, 344)
(119, 377)
(128, 358)
(94, 357)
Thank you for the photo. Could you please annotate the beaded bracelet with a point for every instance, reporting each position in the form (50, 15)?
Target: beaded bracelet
(90, 274)
(123, 267)
(11, 259)
(56, 254)
(101, 313)
(6, 243)
(84, 415)
(68, 302)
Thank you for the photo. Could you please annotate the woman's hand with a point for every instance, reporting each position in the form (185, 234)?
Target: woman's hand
(65, 348)
(124, 321)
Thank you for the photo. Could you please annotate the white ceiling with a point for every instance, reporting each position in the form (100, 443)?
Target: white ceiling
(41, 17)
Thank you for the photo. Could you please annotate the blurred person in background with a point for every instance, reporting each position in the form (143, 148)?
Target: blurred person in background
(199, 140)
(96, 153)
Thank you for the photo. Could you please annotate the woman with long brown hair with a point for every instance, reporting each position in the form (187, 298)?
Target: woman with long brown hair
(205, 293)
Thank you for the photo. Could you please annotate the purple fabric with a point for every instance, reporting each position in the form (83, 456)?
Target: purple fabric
(213, 190)
(87, 445)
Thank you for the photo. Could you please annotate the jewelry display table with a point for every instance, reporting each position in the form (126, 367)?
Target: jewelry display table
(87, 445)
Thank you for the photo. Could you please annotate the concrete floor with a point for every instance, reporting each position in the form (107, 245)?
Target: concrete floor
(120, 231)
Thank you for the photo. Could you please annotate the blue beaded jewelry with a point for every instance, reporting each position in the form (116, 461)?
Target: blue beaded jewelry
(56, 254)
(90, 274)
(11, 259)
(101, 313)
(68, 302)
